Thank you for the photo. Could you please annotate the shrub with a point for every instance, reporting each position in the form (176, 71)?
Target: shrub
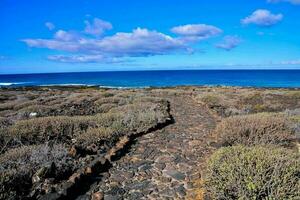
(113, 100)
(107, 94)
(253, 99)
(211, 100)
(255, 129)
(104, 108)
(253, 173)
(94, 136)
(140, 117)
(4, 122)
(7, 106)
(39, 130)
(17, 167)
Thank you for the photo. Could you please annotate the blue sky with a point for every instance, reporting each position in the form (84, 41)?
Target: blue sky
(92, 35)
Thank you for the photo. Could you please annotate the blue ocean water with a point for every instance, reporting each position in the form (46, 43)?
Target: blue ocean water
(254, 78)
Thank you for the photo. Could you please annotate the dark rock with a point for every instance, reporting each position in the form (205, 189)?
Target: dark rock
(181, 190)
(138, 185)
(112, 197)
(175, 174)
(160, 166)
(134, 196)
(116, 191)
(145, 167)
(83, 197)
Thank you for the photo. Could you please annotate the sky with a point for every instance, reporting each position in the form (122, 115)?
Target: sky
(113, 35)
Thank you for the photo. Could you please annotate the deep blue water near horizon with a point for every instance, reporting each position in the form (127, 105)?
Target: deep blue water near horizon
(247, 78)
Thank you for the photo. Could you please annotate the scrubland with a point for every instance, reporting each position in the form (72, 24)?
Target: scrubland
(257, 152)
(48, 135)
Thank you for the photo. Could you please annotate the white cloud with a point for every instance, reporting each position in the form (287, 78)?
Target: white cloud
(98, 27)
(140, 42)
(89, 47)
(84, 59)
(62, 35)
(196, 31)
(50, 26)
(289, 1)
(291, 62)
(229, 43)
(262, 18)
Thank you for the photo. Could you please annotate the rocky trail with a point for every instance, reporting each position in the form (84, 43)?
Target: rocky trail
(163, 164)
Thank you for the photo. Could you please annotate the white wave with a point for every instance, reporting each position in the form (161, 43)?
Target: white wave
(13, 83)
(67, 84)
(119, 87)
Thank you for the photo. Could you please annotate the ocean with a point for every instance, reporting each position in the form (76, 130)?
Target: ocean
(137, 79)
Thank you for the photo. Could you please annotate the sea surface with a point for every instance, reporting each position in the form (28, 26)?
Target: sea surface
(135, 79)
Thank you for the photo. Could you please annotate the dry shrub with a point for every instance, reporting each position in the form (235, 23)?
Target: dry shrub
(24, 105)
(107, 94)
(253, 98)
(94, 136)
(111, 120)
(104, 108)
(17, 167)
(113, 100)
(262, 128)
(211, 100)
(253, 173)
(39, 130)
(4, 122)
(7, 106)
(140, 117)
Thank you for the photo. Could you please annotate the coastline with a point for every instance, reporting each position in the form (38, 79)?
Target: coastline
(83, 86)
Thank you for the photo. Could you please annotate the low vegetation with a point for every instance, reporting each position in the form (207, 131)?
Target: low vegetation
(229, 101)
(258, 137)
(21, 167)
(253, 173)
(256, 129)
(50, 135)
(47, 134)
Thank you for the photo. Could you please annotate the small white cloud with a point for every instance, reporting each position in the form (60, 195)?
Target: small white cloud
(291, 62)
(98, 27)
(229, 43)
(196, 31)
(296, 2)
(263, 18)
(50, 26)
(85, 59)
(66, 36)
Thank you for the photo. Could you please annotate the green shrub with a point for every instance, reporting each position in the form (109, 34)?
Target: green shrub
(253, 173)
(262, 128)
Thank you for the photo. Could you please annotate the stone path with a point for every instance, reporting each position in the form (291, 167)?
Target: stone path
(163, 164)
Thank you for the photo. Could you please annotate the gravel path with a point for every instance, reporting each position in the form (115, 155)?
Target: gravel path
(163, 164)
